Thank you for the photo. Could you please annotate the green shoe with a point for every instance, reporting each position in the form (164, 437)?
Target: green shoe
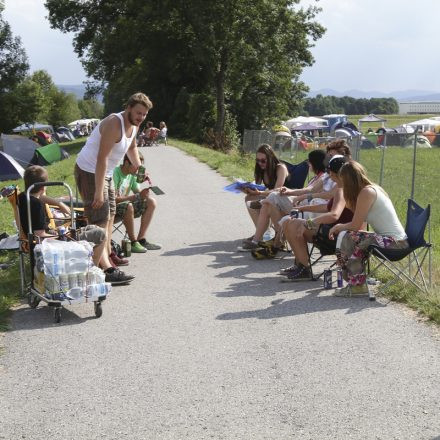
(149, 246)
(137, 248)
(352, 291)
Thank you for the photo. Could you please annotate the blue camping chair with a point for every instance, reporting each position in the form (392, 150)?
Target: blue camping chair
(297, 174)
(416, 220)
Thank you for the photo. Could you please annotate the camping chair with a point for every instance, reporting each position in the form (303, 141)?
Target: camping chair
(416, 220)
(324, 247)
(297, 174)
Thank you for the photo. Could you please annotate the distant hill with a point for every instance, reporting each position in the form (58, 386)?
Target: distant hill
(77, 89)
(399, 95)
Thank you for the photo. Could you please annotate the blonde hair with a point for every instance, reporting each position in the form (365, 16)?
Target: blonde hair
(354, 179)
(139, 98)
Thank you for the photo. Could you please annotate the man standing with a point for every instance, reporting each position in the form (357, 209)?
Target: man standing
(110, 140)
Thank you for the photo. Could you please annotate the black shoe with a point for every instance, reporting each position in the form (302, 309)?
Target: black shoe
(116, 277)
(300, 273)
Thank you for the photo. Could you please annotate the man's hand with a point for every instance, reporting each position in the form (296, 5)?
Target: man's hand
(98, 200)
(283, 190)
(145, 193)
(252, 192)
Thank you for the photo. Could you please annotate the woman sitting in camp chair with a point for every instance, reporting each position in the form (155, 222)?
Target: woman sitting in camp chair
(371, 204)
(271, 172)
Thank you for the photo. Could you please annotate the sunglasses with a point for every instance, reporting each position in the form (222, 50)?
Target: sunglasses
(260, 160)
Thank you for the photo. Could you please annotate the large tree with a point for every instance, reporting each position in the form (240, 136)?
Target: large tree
(13, 68)
(246, 54)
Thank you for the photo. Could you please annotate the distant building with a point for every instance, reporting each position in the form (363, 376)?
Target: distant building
(419, 107)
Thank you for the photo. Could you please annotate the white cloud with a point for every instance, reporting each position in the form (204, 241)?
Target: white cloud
(47, 48)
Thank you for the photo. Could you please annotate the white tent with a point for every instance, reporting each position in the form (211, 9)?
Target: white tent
(33, 126)
(82, 122)
(425, 124)
(300, 120)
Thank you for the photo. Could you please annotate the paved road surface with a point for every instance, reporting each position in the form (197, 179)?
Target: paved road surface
(208, 344)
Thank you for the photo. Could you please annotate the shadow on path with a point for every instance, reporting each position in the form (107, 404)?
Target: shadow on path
(311, 302)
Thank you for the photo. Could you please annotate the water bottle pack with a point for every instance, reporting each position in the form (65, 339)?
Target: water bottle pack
(69, 269)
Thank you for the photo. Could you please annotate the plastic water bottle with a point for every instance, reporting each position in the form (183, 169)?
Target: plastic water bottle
(267, 235)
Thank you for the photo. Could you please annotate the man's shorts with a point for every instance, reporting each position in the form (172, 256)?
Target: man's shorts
(139, 207)
(86, 187)
(92, 233)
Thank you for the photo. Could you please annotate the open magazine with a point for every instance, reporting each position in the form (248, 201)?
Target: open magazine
(238, 186)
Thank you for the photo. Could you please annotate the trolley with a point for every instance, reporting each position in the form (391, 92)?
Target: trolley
(86, 289)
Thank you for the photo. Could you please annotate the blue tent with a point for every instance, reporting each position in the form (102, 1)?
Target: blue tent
(10, 169)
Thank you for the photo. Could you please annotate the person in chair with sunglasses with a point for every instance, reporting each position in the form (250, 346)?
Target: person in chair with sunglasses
(270, 172)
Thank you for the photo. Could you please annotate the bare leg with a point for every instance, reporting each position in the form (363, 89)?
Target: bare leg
(146, 217)
(263, 221)
(104, 261)
(254, 213)
(275, 216)
(294, 233)
(128, 221)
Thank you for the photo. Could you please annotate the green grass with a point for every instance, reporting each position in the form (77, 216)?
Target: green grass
(392, 121)
(396, 181)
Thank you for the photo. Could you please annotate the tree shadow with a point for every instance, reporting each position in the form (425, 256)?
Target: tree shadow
(309, 301)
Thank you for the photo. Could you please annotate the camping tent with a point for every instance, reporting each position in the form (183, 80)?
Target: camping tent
(371, 118)
(32, 127)
(422, 142)
(20, 148)
(425, 124)
(10, 169)
(306, 120)
(46, 155)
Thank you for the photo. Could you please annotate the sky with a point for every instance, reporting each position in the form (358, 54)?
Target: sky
(383, 45)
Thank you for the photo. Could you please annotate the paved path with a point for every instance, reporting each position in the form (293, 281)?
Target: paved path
(208, 344)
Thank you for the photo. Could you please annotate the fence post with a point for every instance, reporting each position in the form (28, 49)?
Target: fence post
(414, 163)
(382, 162)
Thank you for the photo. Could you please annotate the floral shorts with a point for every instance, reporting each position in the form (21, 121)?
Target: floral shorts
(353, 253)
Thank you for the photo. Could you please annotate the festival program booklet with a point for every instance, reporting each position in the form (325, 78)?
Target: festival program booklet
(239, 185)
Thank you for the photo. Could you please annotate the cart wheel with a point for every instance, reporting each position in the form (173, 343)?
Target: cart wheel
(57, 315)
(33, 300)
(98, 309)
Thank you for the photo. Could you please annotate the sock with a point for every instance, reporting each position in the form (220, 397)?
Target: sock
(142, 241)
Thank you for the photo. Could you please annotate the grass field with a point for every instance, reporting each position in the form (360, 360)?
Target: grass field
(392, 121)
(397, 182)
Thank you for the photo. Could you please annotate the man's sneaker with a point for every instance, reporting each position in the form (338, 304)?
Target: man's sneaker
(352, 291)
(301, 273)
(116, 277)
(255, 204)
(137, 248)
(265, 253)
(288, 270)
(118, 261)
(149, 246)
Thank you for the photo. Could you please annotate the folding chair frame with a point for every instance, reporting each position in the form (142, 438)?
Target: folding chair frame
(402, 271)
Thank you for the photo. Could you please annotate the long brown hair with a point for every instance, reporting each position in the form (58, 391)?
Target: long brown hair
(354, 179)
(271, 166)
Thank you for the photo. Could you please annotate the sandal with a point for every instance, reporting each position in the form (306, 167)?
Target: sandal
(266, 253)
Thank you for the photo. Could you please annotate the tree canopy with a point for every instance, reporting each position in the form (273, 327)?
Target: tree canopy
(238, 60)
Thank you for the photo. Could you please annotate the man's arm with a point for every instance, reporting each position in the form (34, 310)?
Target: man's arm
(110, 135)
(54, 202)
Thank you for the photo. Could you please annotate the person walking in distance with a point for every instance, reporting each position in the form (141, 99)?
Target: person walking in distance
(110, 140)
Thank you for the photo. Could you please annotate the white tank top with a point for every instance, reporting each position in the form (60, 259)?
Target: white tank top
(88, 155)
(383, 218)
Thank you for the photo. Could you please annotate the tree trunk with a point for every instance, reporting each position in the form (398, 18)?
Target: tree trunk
(220, 97)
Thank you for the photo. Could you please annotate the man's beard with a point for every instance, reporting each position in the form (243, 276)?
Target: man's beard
(130, 119)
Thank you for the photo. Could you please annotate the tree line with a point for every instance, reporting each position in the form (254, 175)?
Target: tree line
(26, 97)
(211, 68)
(324, 105)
